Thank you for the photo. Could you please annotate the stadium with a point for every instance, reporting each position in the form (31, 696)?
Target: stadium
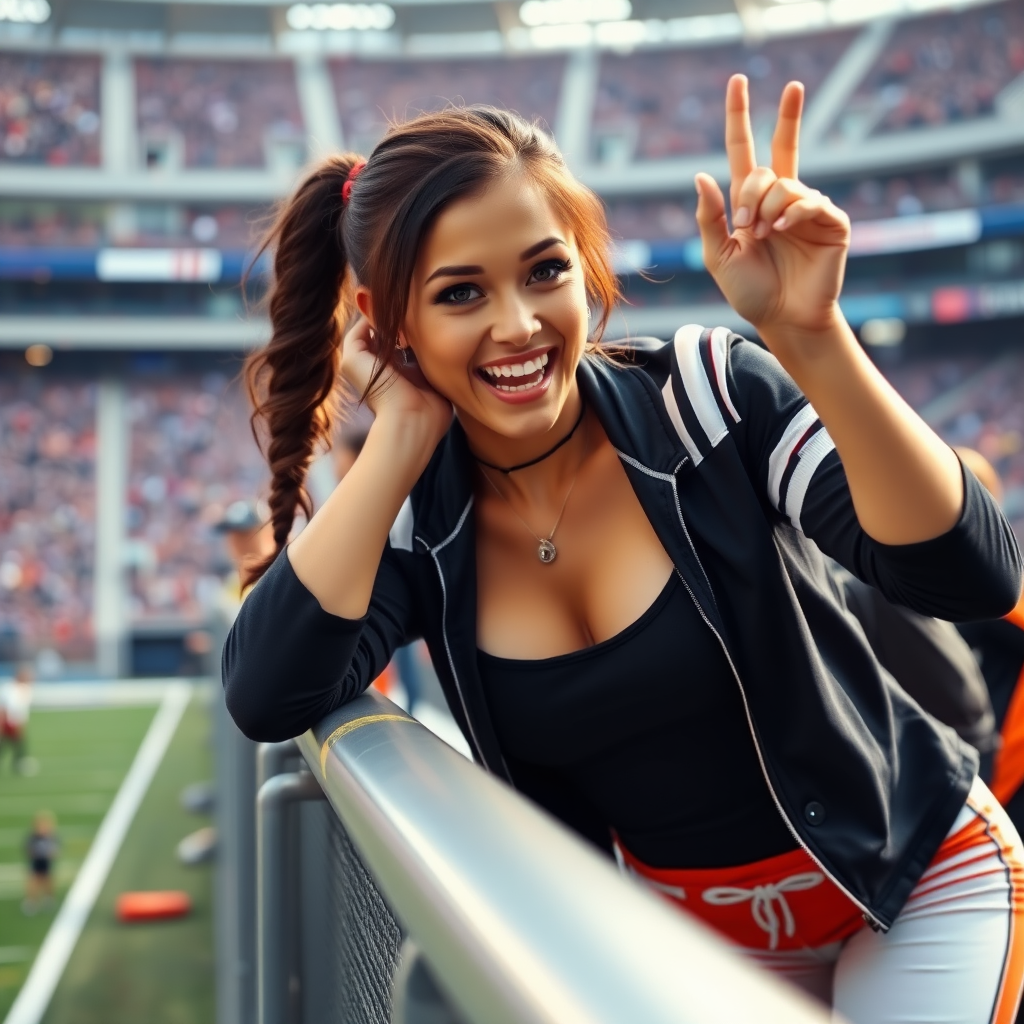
(144, 145)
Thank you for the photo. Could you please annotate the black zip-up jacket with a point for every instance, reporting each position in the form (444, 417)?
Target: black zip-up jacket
(743, 487)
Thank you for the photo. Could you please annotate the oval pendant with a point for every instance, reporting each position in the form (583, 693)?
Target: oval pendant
(546, 552)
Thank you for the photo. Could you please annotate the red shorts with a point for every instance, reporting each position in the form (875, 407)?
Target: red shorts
(10, 731)
(782, 903)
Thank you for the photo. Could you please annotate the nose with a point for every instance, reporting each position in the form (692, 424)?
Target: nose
(515, 322)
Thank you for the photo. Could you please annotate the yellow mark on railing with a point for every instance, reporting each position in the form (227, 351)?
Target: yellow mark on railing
(344, 730)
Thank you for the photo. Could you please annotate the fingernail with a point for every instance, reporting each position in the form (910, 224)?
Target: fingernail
(697, 185)
(779, 224)
(761, 230)
(742, 218)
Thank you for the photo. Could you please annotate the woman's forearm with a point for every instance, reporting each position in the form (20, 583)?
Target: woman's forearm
(905, 482)
(337, 555)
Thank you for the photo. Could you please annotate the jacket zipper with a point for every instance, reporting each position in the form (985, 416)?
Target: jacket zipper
(444, 627)
(671, 479)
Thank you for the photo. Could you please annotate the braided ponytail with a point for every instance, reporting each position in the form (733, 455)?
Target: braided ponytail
(292, 382)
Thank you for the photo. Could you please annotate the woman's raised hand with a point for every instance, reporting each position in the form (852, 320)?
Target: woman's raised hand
(399, 396)
(781, 268)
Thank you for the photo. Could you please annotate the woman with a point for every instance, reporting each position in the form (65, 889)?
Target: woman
(612, 563)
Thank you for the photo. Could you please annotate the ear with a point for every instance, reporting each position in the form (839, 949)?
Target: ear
(364, 303)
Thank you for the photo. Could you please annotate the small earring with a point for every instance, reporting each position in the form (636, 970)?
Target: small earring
(590, 312)
(406, 360)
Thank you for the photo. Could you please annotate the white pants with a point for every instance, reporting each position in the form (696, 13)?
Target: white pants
(955, 954)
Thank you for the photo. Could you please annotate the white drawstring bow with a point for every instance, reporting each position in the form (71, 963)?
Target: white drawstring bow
(763, 899)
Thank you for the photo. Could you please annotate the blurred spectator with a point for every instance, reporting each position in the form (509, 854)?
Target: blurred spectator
(655, 104)
(938, 70)
(47, 512)
(49, 109)
(229, 114)
(41, 849)
(248, 539)
(15, 705)
(372, 93)
(192, 456)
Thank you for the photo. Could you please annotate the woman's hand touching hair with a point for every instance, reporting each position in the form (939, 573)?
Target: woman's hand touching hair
(396, 393)
(781, 267)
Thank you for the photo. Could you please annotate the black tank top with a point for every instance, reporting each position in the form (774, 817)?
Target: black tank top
(648, 727)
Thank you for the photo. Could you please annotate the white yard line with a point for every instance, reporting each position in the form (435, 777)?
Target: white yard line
(60, 940)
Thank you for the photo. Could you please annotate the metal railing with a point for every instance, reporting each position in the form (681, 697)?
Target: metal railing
(504, 916)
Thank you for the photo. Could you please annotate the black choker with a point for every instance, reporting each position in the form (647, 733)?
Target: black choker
(540, 458)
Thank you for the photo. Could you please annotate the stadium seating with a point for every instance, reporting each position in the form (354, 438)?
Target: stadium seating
(47, 510)
(49, 109)
(222, 114)
(985, 413)
(938, 70)
(30, 223)
(192, 454)
(370, 93)
(656, 104)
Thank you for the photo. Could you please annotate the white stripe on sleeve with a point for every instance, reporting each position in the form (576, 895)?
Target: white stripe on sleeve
(811, 456)
(677, 421)
(696, 382)
(779, 458)
(720, 356)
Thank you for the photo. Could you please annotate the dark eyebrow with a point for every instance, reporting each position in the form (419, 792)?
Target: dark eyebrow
(534, 250)
(467, 271)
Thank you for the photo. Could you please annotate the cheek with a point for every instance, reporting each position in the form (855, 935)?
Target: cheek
(444, 346)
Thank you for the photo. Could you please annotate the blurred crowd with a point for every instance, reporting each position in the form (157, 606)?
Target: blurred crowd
(192, 457)
(978, 404)
(901, 195)
(49, 109)
(225, 114)
(34, 223)
(651, 104)
(657, 104)
(369, 94)
(939, 70)
(47, 510)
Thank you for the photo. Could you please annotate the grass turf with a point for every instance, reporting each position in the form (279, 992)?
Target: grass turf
(82, 757)
(158, 972)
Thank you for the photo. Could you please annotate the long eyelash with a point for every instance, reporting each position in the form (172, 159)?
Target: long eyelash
(562, 265)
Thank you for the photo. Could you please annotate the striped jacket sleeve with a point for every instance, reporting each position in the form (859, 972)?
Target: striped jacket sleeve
(721, 386)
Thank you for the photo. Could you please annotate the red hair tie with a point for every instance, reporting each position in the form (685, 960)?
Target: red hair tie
(346, 189)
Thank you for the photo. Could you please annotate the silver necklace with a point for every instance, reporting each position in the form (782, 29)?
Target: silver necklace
(546, 550)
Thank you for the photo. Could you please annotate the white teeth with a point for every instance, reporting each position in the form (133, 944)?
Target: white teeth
(527, 369)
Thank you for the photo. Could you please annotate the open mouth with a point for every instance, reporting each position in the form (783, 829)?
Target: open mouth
(519, 378)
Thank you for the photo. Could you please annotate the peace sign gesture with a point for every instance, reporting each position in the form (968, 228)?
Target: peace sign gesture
(781, 267)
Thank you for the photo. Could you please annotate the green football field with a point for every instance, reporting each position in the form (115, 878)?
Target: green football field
(160, 972)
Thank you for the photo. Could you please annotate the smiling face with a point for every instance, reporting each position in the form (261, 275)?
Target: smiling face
(497, 313)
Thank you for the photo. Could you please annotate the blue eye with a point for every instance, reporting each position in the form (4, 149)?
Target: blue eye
(549, 271)
(458, 295)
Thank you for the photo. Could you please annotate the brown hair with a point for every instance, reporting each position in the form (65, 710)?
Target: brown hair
(323, 245)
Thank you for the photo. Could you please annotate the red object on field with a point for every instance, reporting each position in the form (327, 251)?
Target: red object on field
(153, 906)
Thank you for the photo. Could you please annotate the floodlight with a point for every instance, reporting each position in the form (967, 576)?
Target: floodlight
(534, 13)
(339, 17)
(34, 12)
